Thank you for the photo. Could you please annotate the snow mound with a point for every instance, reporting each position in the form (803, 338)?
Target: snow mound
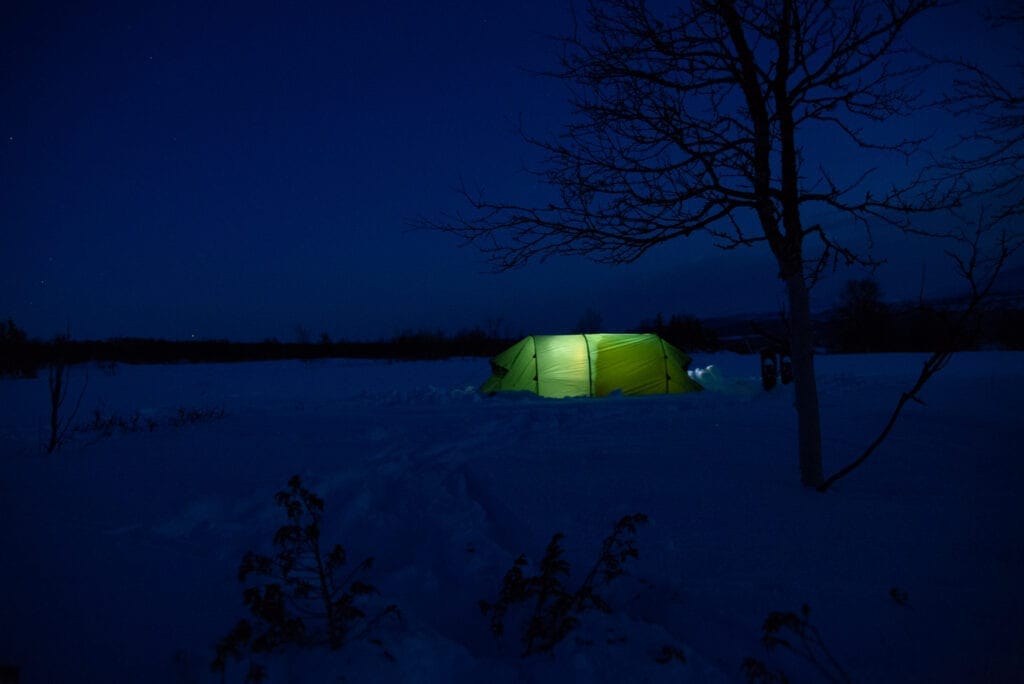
(713, 380)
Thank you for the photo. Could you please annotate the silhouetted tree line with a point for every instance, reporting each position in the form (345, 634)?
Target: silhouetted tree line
(21, 356)
(862, 322)
(18, 356)
(683, 331)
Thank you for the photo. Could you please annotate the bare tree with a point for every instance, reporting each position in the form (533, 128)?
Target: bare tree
(992, 152)
(58, 384)
(991, 156)
(695, 121)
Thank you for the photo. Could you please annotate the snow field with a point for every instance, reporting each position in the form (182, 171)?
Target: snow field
(120, 557)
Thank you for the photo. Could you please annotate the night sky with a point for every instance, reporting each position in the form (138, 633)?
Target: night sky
(236, 170)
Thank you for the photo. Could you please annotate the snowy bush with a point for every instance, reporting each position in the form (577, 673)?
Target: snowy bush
(555, 610)
(794, 633)
(301, 596)
(104, 426)
(191, 416)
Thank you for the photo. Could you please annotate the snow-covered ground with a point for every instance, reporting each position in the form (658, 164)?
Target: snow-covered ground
(118, 559)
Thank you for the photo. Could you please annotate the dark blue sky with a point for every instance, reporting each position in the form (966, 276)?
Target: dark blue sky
(235, 170)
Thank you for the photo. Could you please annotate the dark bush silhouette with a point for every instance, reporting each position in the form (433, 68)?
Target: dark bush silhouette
(300, 595)
(555, 609)
(793, 632)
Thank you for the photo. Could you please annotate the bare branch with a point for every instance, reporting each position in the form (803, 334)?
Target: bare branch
(991, 154)
(687, 123)
(980, 271)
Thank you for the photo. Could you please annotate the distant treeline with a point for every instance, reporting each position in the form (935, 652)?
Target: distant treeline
(910, 328)
(893, 328)
(860, 323)
(21, 356)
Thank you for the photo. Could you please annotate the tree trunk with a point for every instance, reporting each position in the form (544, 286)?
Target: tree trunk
(801, 343)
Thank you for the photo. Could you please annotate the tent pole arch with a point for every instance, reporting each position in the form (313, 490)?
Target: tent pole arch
(536, 368)
(664, 361)
(590, 367)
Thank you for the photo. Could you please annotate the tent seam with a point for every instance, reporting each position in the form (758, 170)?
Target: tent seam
(536, 366)
(664, 361)
(590, 367)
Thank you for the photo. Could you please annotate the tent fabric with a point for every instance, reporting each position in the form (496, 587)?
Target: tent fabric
(591, 365)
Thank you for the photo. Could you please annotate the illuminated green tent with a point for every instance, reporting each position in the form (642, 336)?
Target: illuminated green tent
(590, 365)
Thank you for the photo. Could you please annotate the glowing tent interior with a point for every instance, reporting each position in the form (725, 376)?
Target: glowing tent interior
(591, 365)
